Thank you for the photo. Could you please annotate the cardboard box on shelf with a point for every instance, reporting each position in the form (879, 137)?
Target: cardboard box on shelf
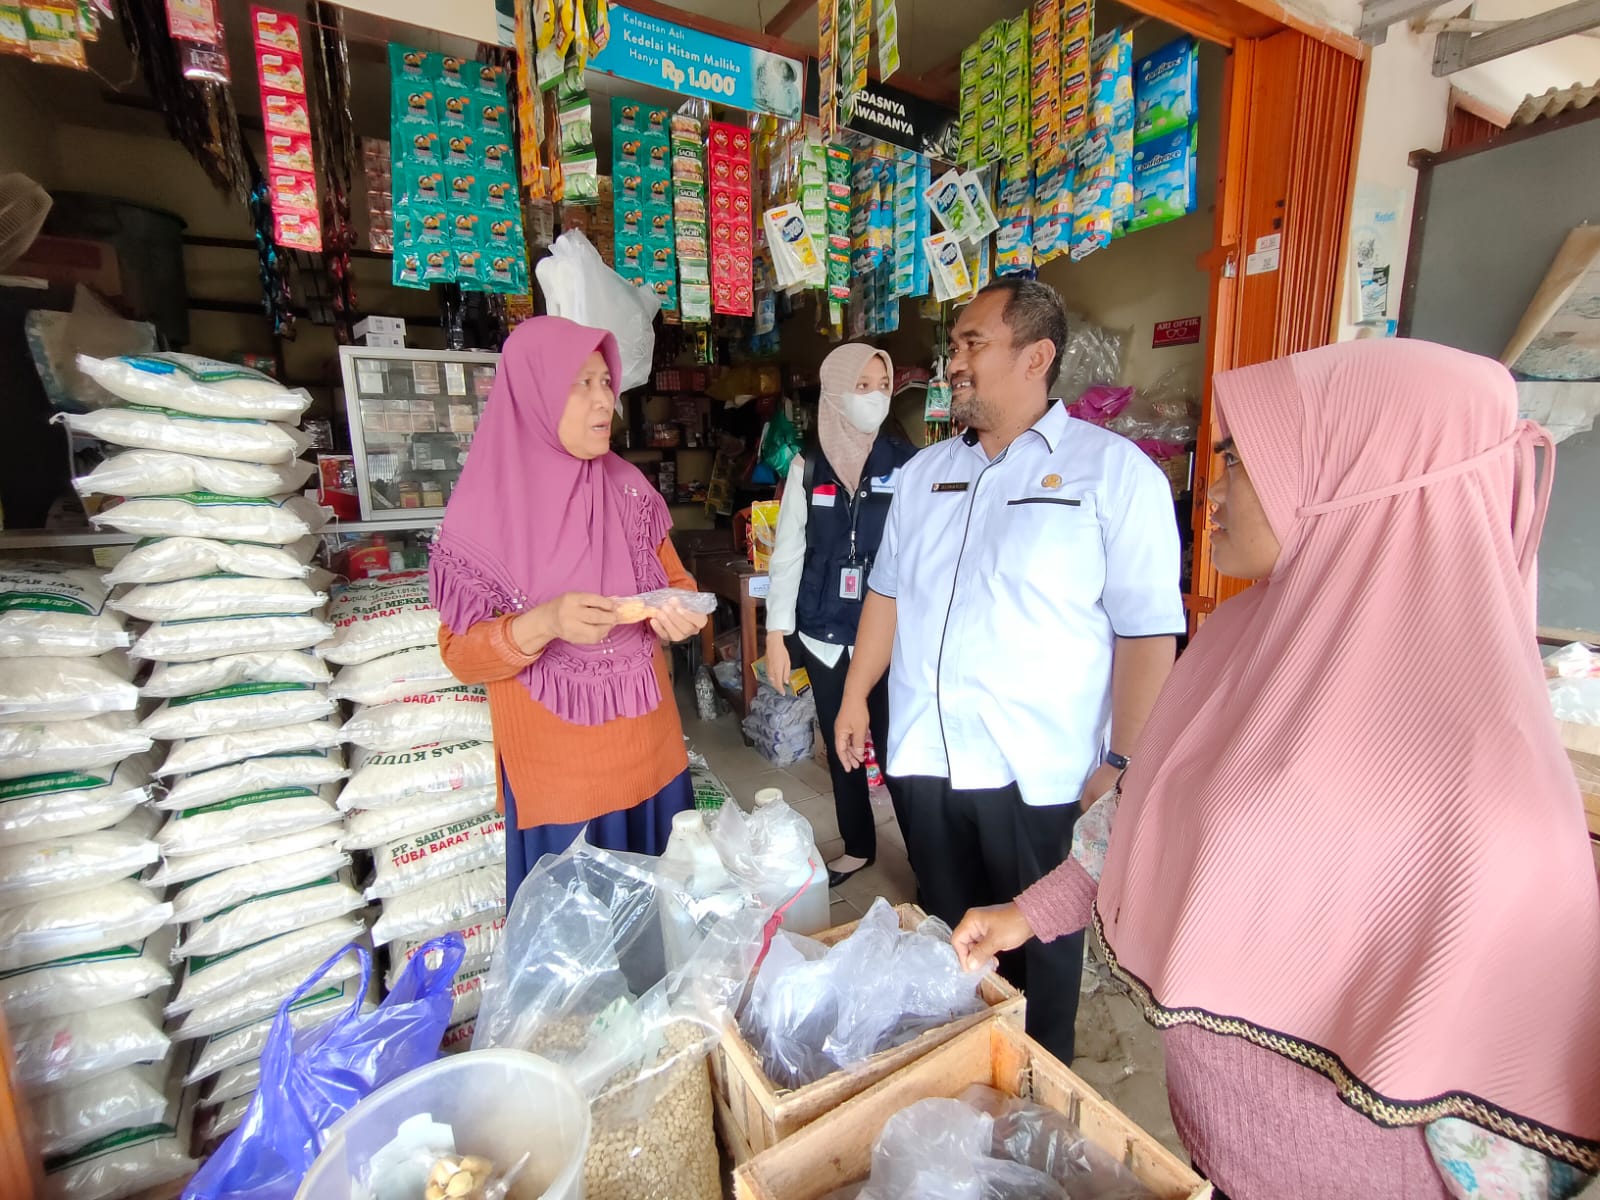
(383, 341)
(392, 326)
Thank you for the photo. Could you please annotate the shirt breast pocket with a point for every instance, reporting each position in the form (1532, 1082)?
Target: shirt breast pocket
(1053, 544)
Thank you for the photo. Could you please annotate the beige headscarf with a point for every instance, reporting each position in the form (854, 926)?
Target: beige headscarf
(845, 445)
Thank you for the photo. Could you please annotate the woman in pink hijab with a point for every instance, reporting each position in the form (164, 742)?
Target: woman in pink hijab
(1347, 871)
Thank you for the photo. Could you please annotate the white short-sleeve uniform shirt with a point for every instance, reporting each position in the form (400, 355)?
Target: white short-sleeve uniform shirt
(1012, 578)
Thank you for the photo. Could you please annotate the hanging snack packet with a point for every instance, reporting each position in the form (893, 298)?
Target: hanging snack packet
(1052, 212)
(950, 203)
(1014, 240)
(951, 279)
(1166, 89)
(1077, 25)
(1044, 56)
(1164, 178)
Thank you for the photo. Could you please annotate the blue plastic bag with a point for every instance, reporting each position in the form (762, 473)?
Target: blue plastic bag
(312, 1078)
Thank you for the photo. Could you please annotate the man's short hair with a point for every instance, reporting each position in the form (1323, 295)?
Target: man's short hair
(1034, 313)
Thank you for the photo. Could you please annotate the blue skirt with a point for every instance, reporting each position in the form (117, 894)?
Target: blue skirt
(642, 829)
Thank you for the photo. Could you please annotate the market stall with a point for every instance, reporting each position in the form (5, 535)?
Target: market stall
(245, 361)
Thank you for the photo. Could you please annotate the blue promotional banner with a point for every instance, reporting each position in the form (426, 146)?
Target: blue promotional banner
(660, 54)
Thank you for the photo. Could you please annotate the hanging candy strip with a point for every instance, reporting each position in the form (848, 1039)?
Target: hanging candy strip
(530, 105)
(291, 160)
(828, 66)
(329, 71)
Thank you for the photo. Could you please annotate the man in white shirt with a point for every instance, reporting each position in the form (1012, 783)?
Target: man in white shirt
(1027, 593)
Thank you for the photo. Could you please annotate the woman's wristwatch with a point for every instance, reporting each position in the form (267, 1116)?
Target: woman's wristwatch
(1119, 761)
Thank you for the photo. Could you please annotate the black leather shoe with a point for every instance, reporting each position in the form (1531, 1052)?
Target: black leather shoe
(835, 878)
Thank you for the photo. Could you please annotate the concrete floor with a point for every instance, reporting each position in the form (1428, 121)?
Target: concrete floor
(1119, 1054)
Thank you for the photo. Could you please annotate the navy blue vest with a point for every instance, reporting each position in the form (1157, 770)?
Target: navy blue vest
(821, 612)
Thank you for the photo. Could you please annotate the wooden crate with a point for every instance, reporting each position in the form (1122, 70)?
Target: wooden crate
(837, 1149)
(754, 1113)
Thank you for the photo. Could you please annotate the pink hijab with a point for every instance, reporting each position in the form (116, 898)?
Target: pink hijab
(529, 522)
(1350, 833)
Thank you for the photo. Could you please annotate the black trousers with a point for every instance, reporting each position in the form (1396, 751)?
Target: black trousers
(851, 799)
(975, 848)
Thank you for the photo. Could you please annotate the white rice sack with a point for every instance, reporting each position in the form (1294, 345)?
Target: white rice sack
(482, 935)
(233, 1082)
(194, 641)
(387, 777)
(248, 818)
(119, 1100)
(190, 383)
(165, 560)
(378, 616)
(182, 868)
(222, 1121)
(445, 850)
(61, 866)
(140, 427)
(60, 1051)
(458, 714)
(157, 473)
(301, 768)
(370, 830)
(217, 596)
(201, 754)
(279, 521)
(85, 981)
(244, 1044)
(38, 807)
(56, 610)
(121, 1165)
(82, 923)
(205, 897)
(466, 994)
(269, 915)
(393, 677)
(238, 708)
(65, 689)
(250, 983)
(440, 905)
(168, 680)
(458, 1038)
(43, 747)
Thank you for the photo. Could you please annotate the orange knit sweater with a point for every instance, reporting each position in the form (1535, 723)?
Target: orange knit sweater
(562, 773)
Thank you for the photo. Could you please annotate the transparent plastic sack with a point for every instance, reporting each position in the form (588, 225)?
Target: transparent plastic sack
(56, 610)
(218, 596)
(183, 433)
(1092, 355)
(312, 1078)
(126, 1163)
(1573, 678)
(393, 777)
(157, 473)
(190, 383)
(579, 286)
(302, 768)
(810, 1015)
(369, 829)
(38, 807)
(582, 979)
(1045, 1140)
(62, 1050)
(223, 749)
(65, 689)
(173, 558)
(646, 605)
(40, 748)
(393, 677)
(168, 680)
(82, 982)
(126, 1098)
(42, 870)
(1173, 397)
(82, 923)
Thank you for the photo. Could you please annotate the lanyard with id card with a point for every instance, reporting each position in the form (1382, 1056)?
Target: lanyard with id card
(854, 570)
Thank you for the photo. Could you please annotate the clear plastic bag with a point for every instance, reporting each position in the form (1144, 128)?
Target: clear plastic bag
(1573, 677)
(1047, 1141)
(1092, 355)
(579, 286)
(645, 605)
(582, 979)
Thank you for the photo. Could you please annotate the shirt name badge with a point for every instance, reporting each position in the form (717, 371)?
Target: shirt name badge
(958, 486)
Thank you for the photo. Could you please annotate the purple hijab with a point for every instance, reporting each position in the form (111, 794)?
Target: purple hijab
(529, 522)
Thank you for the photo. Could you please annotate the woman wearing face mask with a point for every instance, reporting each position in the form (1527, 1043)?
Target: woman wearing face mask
(829, 527)
(1347, 873)
(543, 536)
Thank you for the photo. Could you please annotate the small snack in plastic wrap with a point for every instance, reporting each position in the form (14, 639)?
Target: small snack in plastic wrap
(1572, 674)
(647, 605)
(816, 1010)
(582, 979)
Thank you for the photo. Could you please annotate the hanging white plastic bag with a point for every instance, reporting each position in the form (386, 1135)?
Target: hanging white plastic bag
(579, 286)
(389, 777)
(158, 473)
(164, 560)
(54, 609)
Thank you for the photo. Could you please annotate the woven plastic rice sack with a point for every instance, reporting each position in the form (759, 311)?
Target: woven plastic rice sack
(300, 768)
(38, 807)
(457, 714)
(277, 522)
(269, 915)
(65, 689)
(142, 428)
(123, 1099)
(244, 1044)
(59, 1051)
(481, 936)
(238, 708)
(61, 866)
(183, 868)
(370, 830)
(85, 981)
(232, 1082)
(190, 383)
(164, 560)
(387, 777)
(247, 818)
(54, 610)
(393, 677)
(39, 748)
(201, 754)
(378, 616)
(219, 993)
(238, 885)
(123, 1164)
(217, 596)
(192, 641)
(413, 862)
(168, 680)
(441, 905)
(82, 923)
(157, 473)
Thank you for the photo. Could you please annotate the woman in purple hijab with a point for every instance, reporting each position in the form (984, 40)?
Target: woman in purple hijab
(547, 532)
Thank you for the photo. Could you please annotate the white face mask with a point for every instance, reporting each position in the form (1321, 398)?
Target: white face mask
(866, 410)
